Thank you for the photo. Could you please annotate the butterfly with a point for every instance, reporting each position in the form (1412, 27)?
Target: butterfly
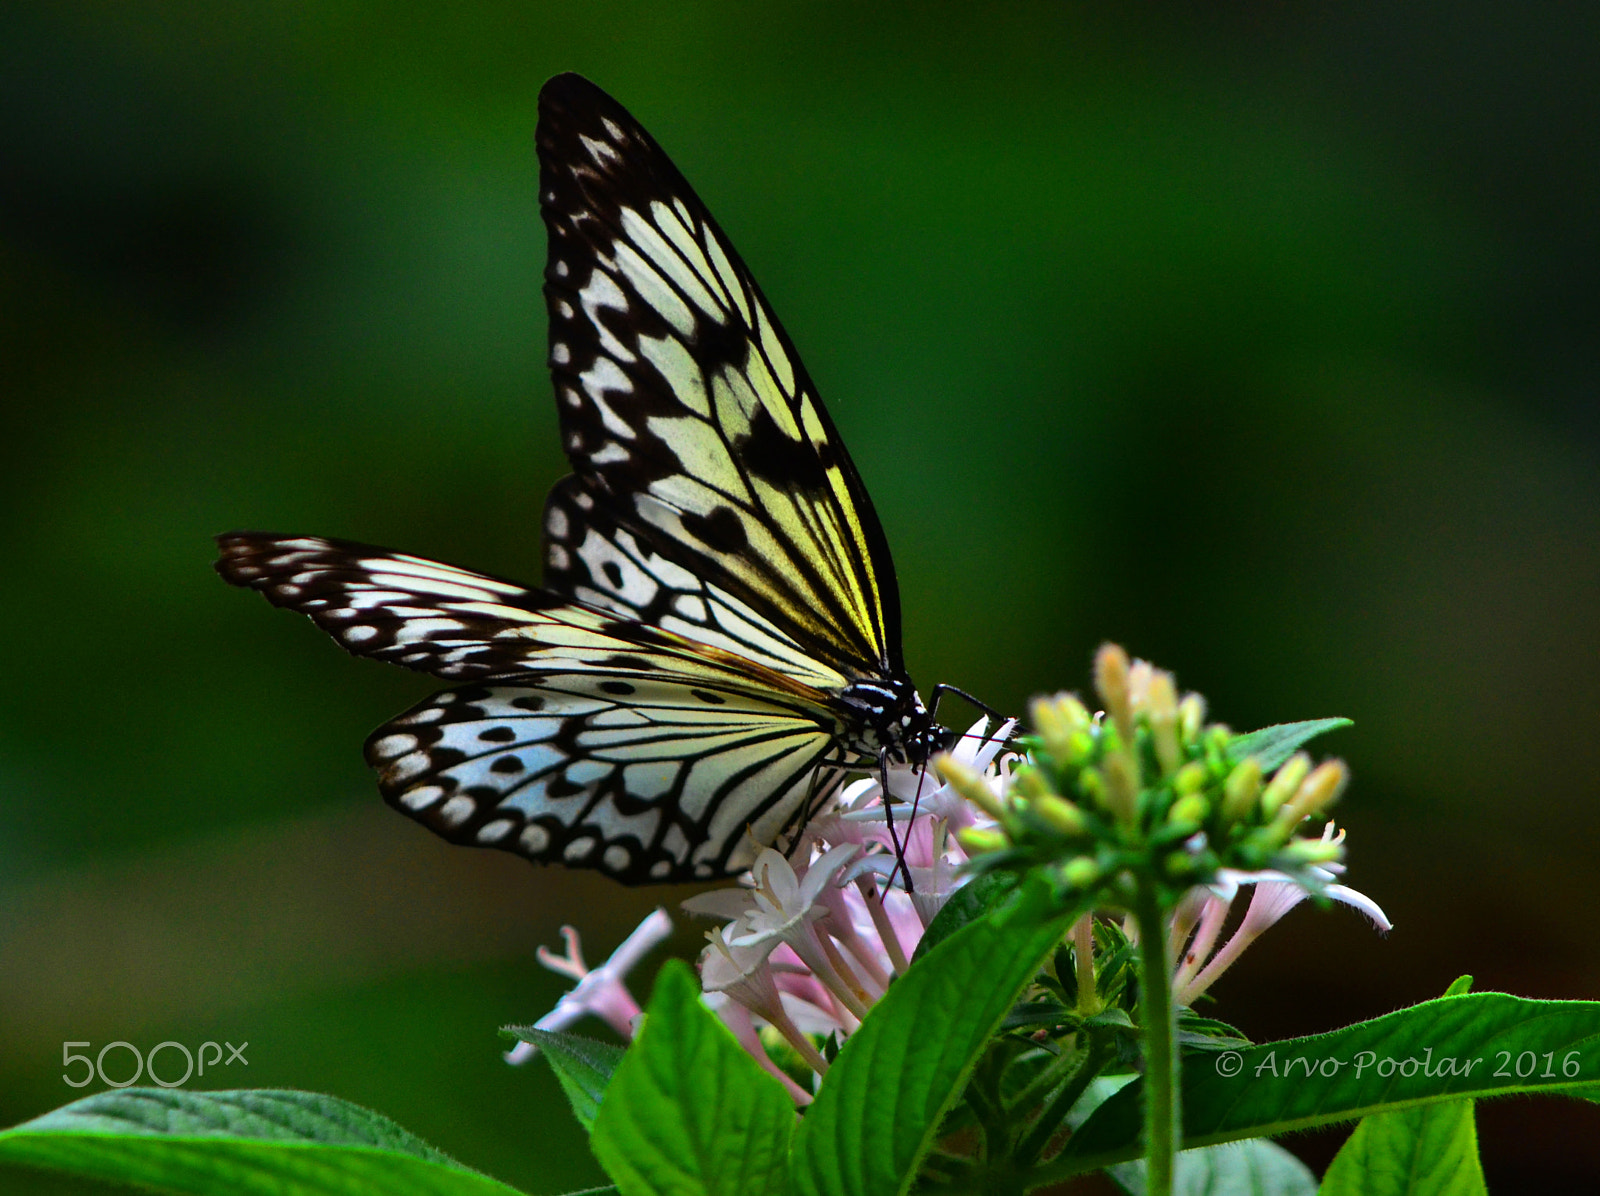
(716, 645)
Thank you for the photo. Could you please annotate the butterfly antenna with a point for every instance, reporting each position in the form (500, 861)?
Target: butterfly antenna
(941, 689)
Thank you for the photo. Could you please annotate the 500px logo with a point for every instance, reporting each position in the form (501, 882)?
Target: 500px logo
(145, 1063)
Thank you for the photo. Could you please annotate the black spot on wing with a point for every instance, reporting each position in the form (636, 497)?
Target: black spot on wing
(722, 530)
(767, 453)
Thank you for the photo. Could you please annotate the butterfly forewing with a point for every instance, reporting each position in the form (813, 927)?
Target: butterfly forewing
(599, 562)
(684, 409)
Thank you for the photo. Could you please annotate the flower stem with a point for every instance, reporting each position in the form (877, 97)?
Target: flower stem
(1158, 1023)
(880, 919)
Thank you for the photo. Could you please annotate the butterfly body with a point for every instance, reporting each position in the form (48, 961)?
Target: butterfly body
(717, 641)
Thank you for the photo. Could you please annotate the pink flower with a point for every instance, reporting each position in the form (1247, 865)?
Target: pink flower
(600, 992)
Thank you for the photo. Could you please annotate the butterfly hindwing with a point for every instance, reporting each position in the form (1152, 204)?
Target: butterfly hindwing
(683, 406)
(647, 780)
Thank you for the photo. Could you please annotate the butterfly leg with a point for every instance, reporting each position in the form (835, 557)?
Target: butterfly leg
(900, 865)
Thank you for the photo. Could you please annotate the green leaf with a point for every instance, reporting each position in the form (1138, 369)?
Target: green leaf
(257, 1141)
(1254, 1167)
(1459, 1047)
(688, 1112)
(980, 896)
(880, 1106)
(583, 1066)
(1431, 1149)
(1271, 746)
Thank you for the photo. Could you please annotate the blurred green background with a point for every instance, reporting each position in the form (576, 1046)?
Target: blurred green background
(1260, 339)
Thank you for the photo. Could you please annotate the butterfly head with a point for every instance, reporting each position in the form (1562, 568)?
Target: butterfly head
(894, 723)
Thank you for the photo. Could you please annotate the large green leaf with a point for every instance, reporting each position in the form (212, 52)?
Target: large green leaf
(1455, 1047)
(876, 1113)
(1254, 1167)
(1271, 746)
(1432, 1149)
(583, 1066)
(687, 1111)
(227, 1143)
(981, 895)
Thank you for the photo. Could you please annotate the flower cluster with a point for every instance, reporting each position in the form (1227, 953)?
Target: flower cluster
(809, 943)
(811, 939)
(1147, 789)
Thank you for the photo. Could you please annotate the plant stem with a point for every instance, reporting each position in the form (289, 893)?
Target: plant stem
(1052, 1118)
(1159, 1025)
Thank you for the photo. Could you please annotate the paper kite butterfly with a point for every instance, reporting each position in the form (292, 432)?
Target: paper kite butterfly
(717, 643)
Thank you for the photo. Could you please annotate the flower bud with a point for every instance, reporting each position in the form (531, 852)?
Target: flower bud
(1161, 704)
(1314, 851)
(1191, 778)
(1093, 786)
(1080, 873)
(1189, 810)
(979, 840)
(1215, 739)
(1241, 790)
(1031, 782)
(1111, 683)
(1122, 787)
(1191, 719)
(1284, 782)
(1080, 747)
(1057, 720)
(1317, 792)
(969, 783)
(1058, 814)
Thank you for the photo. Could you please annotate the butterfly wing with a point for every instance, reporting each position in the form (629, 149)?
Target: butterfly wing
(587, 738)
(597, 561)
(646, 779)
(690, 422)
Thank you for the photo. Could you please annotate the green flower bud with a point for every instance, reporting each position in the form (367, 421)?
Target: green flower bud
(1241, 790)
(1080, 747)
(979, 840)
(1318, 791)
(1284, 782)
(1191, 778)
(1111, 683)
(1122, 787)
(1189, 810)
(1314, 851)
(1058, 814)
(1191, 719)
(1056, 720)
(1093, 787)
(1161, 704)
(1216, 739)
(1081, 872)
(1031, 782)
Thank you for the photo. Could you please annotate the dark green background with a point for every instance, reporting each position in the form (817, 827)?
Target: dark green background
(1259, 340)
